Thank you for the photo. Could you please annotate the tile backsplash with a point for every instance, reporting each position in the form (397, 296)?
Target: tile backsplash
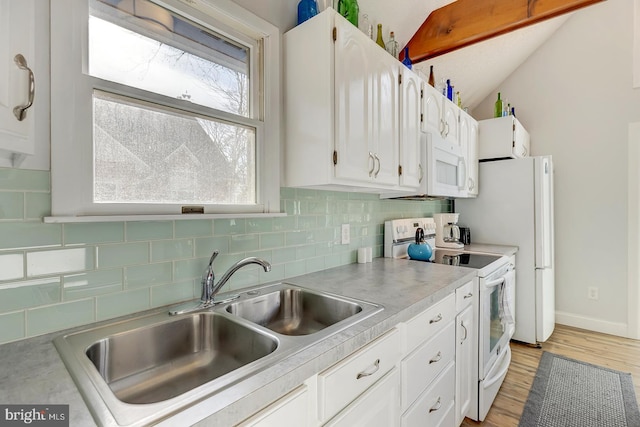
(56, 276)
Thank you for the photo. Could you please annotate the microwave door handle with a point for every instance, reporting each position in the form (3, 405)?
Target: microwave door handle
(462, 173)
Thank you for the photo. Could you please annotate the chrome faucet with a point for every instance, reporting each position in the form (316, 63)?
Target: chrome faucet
(209, 290)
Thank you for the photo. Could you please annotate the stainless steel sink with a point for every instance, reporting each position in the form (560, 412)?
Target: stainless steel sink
(143, 369)
(295, 311)
(158, 362)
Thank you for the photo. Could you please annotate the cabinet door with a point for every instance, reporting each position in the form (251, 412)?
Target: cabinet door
(432, 103)
(354, 104)
(410, 158)
(23, 31)
(385, 72)
(379, 406)
(469, 143)
(291, 410)
(450, 117)
(465, 380)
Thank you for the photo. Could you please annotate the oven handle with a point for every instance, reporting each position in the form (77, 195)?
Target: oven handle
(488, 382)
(495, 282)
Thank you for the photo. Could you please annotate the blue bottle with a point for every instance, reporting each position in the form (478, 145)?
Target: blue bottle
(407, 61)
(449, 90)
(306, 9)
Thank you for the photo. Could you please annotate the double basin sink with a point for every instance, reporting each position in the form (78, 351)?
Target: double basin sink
(146, 368)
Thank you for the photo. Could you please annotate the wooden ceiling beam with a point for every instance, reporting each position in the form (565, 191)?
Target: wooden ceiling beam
(465, 22)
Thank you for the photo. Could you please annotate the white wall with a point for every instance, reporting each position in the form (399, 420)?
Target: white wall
(576, 98)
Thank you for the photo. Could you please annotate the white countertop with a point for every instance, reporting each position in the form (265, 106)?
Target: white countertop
(33, 373)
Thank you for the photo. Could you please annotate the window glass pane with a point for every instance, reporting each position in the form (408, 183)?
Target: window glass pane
(140, 44)
(145, 154)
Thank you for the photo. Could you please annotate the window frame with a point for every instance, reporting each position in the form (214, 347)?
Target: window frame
(72, 121)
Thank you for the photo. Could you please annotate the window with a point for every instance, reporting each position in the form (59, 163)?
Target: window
(156, 106)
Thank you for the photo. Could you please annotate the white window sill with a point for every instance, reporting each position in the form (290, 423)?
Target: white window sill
(129, 218)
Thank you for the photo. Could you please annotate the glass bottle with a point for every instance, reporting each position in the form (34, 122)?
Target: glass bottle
(379, 40)
(365, 26)
(449, 90)
(349, 9)
(306, 9)
(498, 107)
(392, 45)
(407, 61)
(432, 79)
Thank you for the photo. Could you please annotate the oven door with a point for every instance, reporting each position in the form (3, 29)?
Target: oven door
(497, 323)
(446, 168)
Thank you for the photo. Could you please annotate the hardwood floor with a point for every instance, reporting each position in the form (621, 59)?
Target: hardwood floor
(599, 349)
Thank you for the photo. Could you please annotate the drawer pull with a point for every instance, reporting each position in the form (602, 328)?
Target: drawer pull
(436, 319)
(376, 366)
(436, 358)
(436, 406)
(469, 295)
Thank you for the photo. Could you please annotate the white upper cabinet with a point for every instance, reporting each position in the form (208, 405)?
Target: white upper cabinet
(503, 138)
(342, 109)
(469, 144)
(439, 114)
(24, 79)
(413, 170)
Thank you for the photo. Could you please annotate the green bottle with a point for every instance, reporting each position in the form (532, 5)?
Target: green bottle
(350, 10)
(379, 40)
(499, 107)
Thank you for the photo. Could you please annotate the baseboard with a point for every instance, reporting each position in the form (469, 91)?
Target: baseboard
(592, 324)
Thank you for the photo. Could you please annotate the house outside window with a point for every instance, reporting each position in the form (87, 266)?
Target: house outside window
(160, 105)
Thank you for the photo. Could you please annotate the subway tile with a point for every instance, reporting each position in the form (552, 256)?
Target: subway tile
(18, 235)
(206, 245)
(307, 222)
(299, 237)
(271, 240)
(194, 228)
(295, 268)
(32, 293)
(314, 264)
(164, 250)
(118, 255)
(172, 293)
(190, 268)
(60, 261)
(284, 223)
(287, 193)
(149, 230)
(148, 275)
(229, 226)
(60, 316)
(12, 326)
(11, 266)
(92, 283)
(283, 255)
(259, 225)
(11, 205)
(122, 303)
(23, 179)
(95, 232)
(244, 243)
(38, 205)
(305, 251)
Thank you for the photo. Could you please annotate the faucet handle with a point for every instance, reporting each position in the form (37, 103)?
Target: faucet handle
(213, 256)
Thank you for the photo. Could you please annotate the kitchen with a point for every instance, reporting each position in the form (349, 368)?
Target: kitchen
(579, 110)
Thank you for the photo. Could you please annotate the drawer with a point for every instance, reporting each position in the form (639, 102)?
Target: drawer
(436, 404)
(429, 322)
(422, 366)
(290, 410)
(465, 295)
(346, 380)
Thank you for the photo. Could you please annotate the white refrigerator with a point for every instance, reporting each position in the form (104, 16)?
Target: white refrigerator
(515, 207)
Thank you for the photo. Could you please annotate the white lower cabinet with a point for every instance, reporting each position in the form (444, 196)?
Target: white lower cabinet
(291, 410)
(466, 350)
(434, 407)
(341, 384)
(379, 406)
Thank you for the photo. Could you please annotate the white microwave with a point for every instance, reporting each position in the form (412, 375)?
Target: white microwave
(446, 168)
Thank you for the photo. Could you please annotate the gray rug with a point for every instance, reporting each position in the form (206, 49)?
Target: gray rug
(570, 393)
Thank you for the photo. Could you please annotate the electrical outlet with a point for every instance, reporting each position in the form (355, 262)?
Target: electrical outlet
(592, 292)
(346, 234)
